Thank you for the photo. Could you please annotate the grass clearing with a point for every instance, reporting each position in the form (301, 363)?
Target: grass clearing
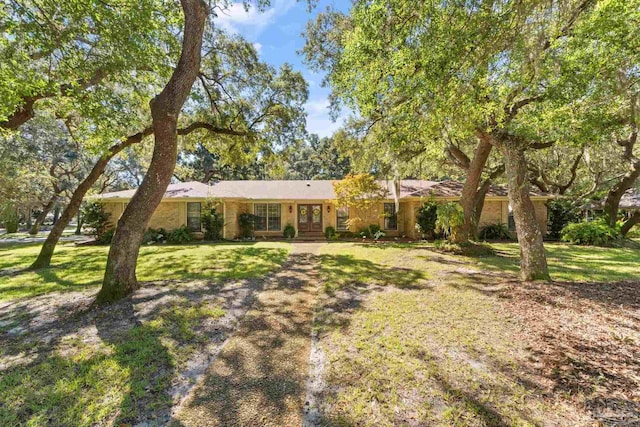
(81, 267)
(573, 262)
(416, 337)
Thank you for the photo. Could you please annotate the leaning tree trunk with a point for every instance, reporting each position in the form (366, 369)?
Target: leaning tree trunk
(612, 202)
(46, 252)
(629, 223)
(35, 227)
(469, 196)
(120, 273)
(533, 262)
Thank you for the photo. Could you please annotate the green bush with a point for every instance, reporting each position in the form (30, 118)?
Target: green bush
(426, 218)
(97, 220)
(330, 232)
(596, 233)
(562, 212)
(180, 235)
(450, 220)
(152, 236)
(289, 231)
(107, 237)
(496, 231)
(246, 223)
(212, 221)
(9, 216)
(369, 231)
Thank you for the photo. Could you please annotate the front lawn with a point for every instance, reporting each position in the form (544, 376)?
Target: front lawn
(66, 362)
(81, 267)
(573, 262)
(412, 336)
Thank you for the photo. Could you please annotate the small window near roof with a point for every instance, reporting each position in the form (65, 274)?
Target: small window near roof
(194, 222)
(390, 216)
(342, 216)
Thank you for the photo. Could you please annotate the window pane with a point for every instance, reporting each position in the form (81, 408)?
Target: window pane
(193, 216)
(390, 216)
(274, 217)
(342, 218)
(316, 213)
(260, 211)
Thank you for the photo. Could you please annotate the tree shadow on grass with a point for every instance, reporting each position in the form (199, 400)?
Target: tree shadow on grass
(342, 271)
(88, 365)
(86, 267)
(259, 377)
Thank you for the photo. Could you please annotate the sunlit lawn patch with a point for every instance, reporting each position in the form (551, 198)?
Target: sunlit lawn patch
(573, 262)
(435, 345)
(76, 268)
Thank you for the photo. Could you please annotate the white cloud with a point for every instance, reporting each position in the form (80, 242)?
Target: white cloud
(252, 22)
(258, 47)
(318, 119)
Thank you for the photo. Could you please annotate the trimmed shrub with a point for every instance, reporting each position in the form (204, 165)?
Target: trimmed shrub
(180, 235)
(562, 212)
(152, 236)
(369, 231)
(246, 224)
(330, 232)
(596, 233)
(11, 225)
(212, 222)
(289, 231)
(426, 218)
(496, 231)
(97, 220)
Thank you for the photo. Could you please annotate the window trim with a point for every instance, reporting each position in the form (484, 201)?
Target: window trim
(387, 218)
(338, 227)
(266, 222)
(198, 229)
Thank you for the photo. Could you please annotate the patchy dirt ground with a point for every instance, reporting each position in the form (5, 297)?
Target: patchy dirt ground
(259, 378)
(465, 345)
(190, 320)
(584, 343)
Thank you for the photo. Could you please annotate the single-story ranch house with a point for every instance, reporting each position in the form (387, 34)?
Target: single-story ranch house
(309, 206)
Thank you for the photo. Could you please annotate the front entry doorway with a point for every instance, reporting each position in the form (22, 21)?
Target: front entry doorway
(310, 218)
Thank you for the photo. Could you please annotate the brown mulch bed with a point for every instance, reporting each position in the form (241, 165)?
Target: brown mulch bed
(584, 341)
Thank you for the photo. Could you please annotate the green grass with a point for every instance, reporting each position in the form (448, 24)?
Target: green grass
(573, 262)
(81, 267)
(112, 381)
(442, 355)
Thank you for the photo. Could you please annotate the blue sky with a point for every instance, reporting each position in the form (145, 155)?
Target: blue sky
(277, 35)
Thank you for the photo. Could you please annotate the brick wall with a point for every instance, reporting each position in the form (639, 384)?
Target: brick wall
(492, 213)
(169, 215)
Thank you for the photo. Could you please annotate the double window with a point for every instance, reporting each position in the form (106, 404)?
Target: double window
(342, 216)
(390, 216)
(268, 216)
(194, 221)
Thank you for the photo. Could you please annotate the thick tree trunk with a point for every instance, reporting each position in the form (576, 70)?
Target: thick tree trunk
(629, 223)
(27, 218)
(469, 197)
(533, 262)
(120, 274)
(35, 227)
(612, 202)
(46, 252)
(56, 215)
